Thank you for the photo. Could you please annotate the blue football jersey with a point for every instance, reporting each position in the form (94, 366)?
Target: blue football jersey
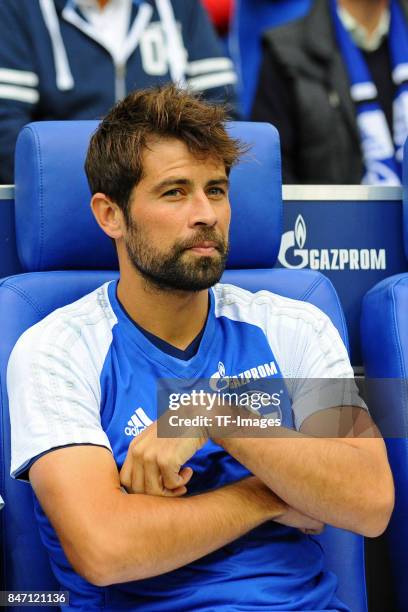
(90, 377)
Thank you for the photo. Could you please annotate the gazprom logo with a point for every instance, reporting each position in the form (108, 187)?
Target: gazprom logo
(219, 381)
(293, 255)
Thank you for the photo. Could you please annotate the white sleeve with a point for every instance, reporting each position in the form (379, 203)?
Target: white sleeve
(324, 377)
(54, 395)
(312, 358)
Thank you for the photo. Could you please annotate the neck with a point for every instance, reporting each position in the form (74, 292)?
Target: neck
(366, 12)
(174, 316)
(102, 3)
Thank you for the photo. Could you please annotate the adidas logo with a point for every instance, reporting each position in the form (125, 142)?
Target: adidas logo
(137, 423)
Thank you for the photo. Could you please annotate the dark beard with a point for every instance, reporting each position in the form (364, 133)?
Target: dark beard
(169, 272)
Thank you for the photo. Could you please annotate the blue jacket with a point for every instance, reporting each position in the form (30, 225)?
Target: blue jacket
(52, 67)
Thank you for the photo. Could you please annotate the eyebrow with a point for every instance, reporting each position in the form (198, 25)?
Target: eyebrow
(173, 181)
(220, 181)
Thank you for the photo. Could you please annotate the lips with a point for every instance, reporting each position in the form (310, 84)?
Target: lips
(205, 247)
(202, 250)
(206, 244)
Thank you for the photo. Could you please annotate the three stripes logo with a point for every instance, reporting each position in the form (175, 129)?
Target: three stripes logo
(137, 423)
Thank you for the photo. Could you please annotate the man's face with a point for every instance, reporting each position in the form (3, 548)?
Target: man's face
(177, 237)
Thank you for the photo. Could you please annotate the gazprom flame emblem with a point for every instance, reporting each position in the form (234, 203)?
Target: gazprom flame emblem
(219, 381)
(300, 232)
(292, 243)
(221, 369)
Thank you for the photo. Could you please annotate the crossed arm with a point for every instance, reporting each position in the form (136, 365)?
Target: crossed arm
(344, 481)
(109, 536)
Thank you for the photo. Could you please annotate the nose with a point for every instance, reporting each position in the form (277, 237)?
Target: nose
(203, 211)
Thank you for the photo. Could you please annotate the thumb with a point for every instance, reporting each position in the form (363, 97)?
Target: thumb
(185, 475)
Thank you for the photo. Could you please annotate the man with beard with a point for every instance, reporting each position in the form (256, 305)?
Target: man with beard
(137, 521)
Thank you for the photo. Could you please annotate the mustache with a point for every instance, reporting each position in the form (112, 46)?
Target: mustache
(204, 236)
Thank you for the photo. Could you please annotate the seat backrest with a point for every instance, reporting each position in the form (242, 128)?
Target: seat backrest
(250, 20)
(50, 189)
(384, 341)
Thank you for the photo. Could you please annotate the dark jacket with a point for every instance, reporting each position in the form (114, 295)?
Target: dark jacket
(304, 90)
(62, 72)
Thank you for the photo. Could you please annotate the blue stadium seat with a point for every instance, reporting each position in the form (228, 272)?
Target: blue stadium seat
(251, 18)
(384, 337)
(66, 256)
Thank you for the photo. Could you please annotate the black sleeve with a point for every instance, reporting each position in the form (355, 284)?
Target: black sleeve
(274, 103)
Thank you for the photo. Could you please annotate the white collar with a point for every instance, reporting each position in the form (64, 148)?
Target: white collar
(109, 26)
(359, 34)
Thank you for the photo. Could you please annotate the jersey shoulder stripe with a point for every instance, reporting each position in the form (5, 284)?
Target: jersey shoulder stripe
(298, 332)
(89, 319)
(53, 379)
(261, 307)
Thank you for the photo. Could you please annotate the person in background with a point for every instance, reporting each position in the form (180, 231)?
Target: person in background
(72, 59)
(335, 84)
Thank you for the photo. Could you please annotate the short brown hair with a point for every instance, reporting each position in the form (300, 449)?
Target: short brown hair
(114, 160)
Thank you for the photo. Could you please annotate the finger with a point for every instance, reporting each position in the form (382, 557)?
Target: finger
(178, 492)
(153, 482)
(313, 531)
(186, 474)
(171, 476)
(131, 476)
(125, 474)
(318, 528)
(137, 477)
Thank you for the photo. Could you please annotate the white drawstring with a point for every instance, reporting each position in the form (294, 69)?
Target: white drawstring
(64, 78)
(175, 49)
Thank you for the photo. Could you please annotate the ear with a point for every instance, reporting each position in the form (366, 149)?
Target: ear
(108, 215)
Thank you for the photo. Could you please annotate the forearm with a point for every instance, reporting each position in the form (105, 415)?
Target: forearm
(150, 535)
(327, 479)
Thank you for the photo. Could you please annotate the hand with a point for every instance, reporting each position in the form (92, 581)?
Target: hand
(264, 501)
(306, 524)
(274, 508)
(154, 465)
